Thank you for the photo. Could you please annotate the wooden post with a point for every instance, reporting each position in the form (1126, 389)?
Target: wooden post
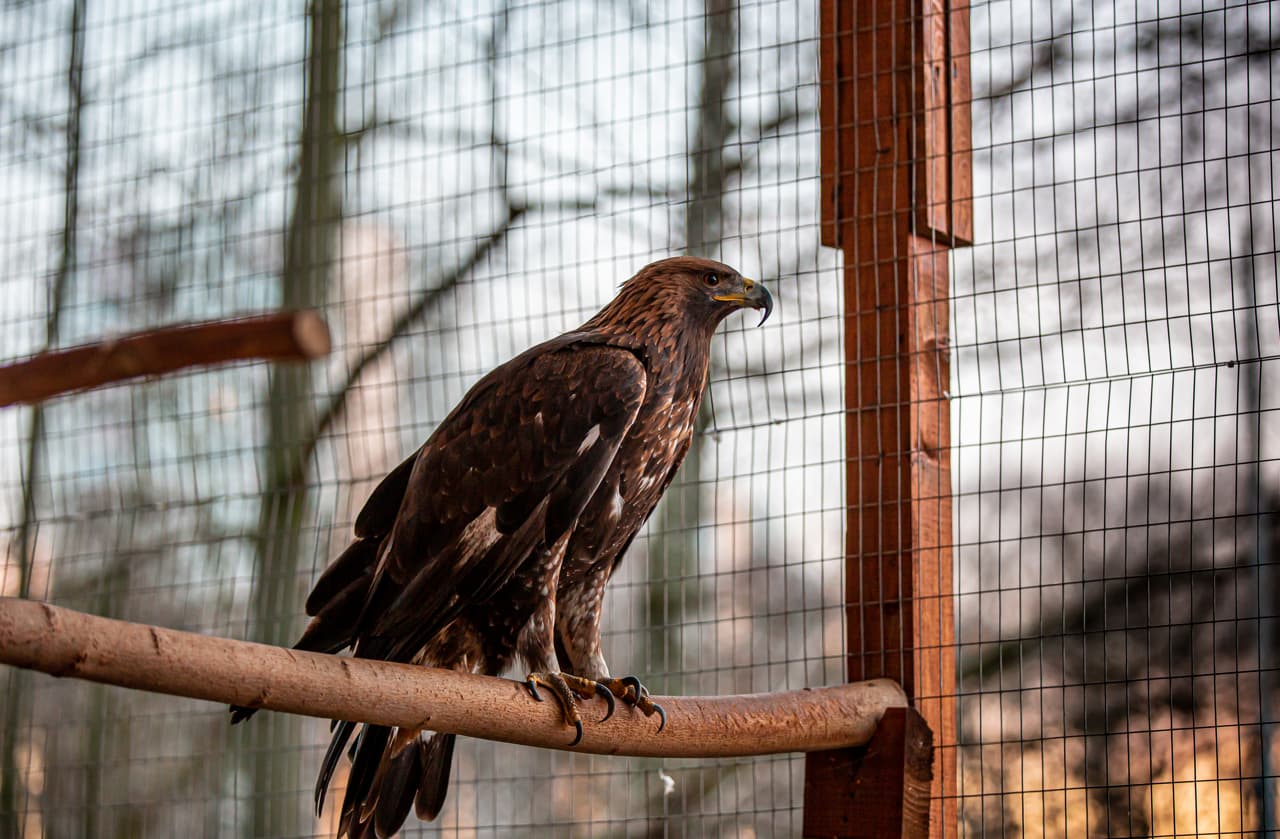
(877, 791)
(896, 181)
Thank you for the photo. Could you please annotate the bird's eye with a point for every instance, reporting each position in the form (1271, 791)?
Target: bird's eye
(712, 279)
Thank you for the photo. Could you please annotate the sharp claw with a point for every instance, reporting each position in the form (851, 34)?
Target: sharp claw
(634, 684)
(576, 740)
(532, 684)
(603, 691)
(662, 716)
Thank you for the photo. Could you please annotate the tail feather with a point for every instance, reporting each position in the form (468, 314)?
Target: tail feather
(397, 789)
(341, 734)
(370, 749)
(437, 759)
(385, 783)
(240, 713)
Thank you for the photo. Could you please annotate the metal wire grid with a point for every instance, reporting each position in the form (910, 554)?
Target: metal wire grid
(503, 167)
(1114, 423)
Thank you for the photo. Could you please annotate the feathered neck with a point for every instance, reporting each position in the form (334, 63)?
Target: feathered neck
(664, 321)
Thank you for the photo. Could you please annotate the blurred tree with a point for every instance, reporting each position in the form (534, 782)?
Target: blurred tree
(674, 593)
(11, 807)
(310, 247)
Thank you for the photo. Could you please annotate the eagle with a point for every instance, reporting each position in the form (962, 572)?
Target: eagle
(494, 541)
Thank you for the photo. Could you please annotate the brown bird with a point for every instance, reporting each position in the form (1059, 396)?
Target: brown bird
(496, 538)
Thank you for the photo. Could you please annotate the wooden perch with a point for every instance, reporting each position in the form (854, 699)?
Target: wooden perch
(63, 642)
(287, 336)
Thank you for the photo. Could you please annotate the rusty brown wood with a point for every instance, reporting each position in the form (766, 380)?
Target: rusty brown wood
(960, 99)
(286, 336)
(944, 197)
(881, 790)
(933, 91)
(63, 642)
(896, 179)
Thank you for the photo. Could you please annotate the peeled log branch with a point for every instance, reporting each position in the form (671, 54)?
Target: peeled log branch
(287, 336)
(62, 642)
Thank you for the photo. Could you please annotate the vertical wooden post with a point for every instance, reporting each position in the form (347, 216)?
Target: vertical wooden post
(896, 181)
(880, 790)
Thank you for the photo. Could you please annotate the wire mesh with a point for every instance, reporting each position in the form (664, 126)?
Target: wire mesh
(1115, 368)
(449, 184)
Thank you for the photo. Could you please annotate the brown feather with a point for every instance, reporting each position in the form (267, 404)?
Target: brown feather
(354, 562)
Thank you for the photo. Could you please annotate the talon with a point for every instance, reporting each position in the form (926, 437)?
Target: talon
(602, 690)
(564, 696)
(662, 717)
(633, 684)
(630, 691)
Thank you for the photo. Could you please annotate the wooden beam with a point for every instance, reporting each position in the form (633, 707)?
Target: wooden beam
(960, 132)
(62, 642)
(895, 196)
(287, 336)
(877, 791)
(945, 132)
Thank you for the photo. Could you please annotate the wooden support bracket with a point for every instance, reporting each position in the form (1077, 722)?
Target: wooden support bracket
(876, 791)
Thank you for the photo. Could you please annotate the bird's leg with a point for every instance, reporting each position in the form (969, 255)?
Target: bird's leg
(578, 628)
(537, 646)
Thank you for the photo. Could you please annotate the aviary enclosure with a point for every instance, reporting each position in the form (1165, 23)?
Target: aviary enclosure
(1010, 439)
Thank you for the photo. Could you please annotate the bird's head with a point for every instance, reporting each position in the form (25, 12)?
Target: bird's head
(706, 290)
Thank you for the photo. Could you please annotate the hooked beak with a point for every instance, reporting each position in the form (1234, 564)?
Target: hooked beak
(754, 295)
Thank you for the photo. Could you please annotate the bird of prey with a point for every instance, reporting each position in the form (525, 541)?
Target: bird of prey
(495, 539)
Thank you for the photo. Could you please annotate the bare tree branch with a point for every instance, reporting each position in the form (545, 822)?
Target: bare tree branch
(390, 17)
(376, 126)
(309, 245)
(337, 402)
(788, 116)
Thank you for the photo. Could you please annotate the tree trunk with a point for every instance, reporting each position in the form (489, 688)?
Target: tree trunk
(309, 248)
(11, 808)
(674, 590)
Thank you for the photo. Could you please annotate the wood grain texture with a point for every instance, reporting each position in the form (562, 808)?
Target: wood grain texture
(896, 183)
(874, 791)
(286, 336)
(960, 99)
(945, 194)
(933, 95)
(63, 642)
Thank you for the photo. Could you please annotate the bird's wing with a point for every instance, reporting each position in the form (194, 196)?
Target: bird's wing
(347, 577)
(510, 469)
